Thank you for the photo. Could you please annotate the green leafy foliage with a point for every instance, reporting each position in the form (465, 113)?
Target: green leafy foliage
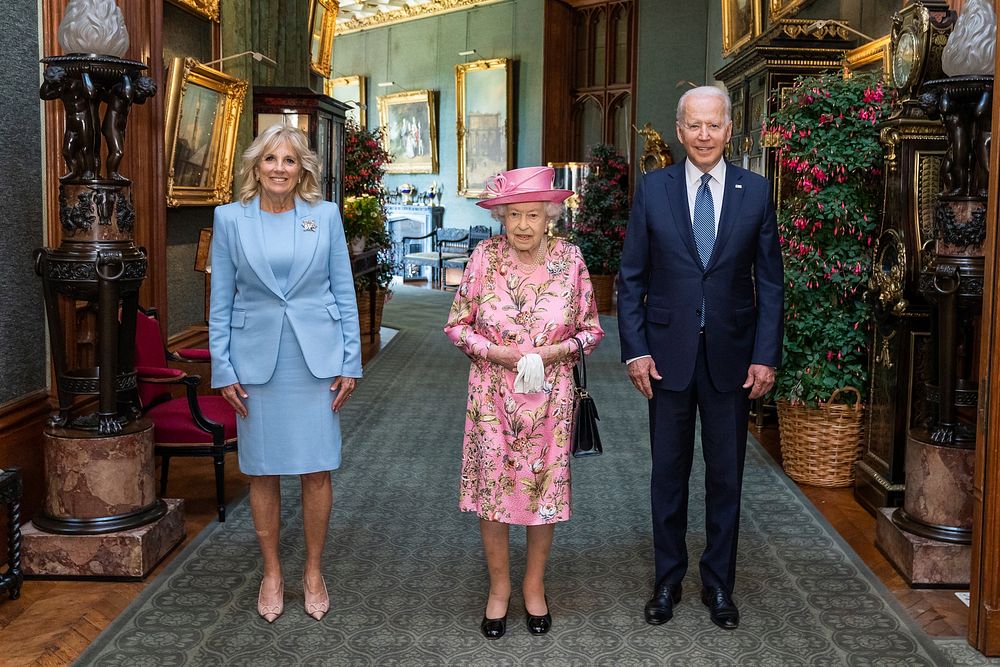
(831, 160)
(599, 227)
(362, 216)
(364, 200)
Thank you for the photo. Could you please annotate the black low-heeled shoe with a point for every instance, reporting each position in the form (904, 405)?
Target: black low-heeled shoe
(493, 628)
(539, 625)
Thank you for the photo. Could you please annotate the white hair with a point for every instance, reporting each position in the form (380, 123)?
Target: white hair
(553, 211)
(705, 91)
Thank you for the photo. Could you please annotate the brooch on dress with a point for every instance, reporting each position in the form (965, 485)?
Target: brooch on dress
(308, 226)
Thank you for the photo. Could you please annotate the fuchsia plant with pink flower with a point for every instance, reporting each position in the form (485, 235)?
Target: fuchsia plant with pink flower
(831, 177)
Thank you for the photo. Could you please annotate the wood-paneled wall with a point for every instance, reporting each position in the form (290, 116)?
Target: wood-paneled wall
(984, 613)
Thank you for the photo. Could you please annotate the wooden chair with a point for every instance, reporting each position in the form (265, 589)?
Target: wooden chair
(446, 243)
(189, 426)
(477, 233)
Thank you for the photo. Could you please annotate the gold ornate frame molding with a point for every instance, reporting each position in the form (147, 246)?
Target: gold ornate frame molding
(409, 13)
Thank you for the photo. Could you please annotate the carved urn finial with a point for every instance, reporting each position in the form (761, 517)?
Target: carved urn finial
(93, 26)
(970, 47)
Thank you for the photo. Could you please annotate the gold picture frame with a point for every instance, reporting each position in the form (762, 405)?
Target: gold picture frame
(202, 112)
(351, 90)
(780, 8)
(322, 26)
(208, 9)
(740, 24)
(409, 131)
(483, 111)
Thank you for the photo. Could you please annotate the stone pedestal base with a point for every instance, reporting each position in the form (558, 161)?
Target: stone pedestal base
(124, 554)
(923, 562)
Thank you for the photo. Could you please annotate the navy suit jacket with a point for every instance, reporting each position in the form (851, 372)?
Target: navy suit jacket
(248, 307)
(661, 282)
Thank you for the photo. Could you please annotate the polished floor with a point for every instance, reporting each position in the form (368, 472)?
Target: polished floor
(54, 621)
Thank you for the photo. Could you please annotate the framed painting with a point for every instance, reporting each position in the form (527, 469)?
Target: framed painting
(740, 24)
(322, 25)
(780, 8)
(483, 100)
(202, 112)
(351, 90)
(409, 130)
(208, 9)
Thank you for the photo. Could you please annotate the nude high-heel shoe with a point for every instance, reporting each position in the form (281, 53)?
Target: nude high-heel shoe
(270, 610)
(317, 604)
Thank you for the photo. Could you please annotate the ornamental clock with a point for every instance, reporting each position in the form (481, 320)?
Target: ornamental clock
(916, 41)
(914, 148)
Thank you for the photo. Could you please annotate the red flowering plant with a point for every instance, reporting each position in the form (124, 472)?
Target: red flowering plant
(602, 216)
(830, 159)
(364, 199)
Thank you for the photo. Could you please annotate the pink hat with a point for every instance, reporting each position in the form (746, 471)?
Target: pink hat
(526, 184)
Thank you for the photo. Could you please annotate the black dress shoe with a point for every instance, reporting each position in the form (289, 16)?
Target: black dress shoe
(660, 608)
(720, 605)
(493, 628)
(539, 625)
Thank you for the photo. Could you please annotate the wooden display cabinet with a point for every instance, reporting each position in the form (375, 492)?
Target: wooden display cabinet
(321, 117)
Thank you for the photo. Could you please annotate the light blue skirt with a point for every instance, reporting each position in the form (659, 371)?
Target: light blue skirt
(290, 428)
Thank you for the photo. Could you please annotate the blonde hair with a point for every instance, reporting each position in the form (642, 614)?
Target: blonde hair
(267, 142)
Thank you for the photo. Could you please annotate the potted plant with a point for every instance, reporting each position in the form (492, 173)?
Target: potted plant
(828, 150)
(601, 218)
(364, 215)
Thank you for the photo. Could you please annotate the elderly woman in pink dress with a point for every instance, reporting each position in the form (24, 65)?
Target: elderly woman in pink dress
(523, 299)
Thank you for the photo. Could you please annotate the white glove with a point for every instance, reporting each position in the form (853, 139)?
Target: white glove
(530, 375)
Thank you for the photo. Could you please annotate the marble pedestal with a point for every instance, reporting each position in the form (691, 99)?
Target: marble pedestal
(928, 539)
(923, 562)
(124, 554)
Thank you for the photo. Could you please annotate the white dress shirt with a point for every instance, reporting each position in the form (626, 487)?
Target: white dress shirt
(692, 176)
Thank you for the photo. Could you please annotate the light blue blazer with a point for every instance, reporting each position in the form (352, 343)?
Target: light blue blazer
(248, 307)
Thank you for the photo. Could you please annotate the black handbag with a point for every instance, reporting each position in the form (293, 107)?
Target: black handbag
(586, 441)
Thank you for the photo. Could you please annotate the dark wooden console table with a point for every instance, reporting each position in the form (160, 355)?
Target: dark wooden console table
(362, 264)
(10, 495)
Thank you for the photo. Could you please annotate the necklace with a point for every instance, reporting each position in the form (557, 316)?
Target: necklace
(536, 261)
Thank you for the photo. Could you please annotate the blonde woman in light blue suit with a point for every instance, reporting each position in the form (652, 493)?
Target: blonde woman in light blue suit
(285, 344)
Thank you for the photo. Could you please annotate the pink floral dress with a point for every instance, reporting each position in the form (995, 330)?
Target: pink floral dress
(516, 450)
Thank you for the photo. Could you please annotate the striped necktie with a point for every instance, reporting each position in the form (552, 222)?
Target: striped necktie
(704, 227)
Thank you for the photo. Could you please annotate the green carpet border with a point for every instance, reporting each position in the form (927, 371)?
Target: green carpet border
(890, 599)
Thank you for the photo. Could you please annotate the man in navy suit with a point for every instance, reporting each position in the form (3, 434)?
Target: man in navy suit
(700, 312)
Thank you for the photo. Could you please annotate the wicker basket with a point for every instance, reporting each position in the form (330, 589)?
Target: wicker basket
(604, 292)
(364, 310)
(819, 446)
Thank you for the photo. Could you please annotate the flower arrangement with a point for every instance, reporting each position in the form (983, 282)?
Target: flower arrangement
(364, 161)
(830, 158)
(363, 214)
(364, 200)
(602, 216)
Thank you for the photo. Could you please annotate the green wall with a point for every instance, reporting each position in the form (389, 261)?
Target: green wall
(422, 54)
(676, 40)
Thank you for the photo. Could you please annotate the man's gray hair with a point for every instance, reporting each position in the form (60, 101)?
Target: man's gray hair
(705, 91)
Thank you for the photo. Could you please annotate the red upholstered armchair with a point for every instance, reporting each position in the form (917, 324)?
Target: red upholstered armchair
(190, 426)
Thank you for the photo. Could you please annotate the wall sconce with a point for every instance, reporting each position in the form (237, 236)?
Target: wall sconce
(256, 56)
(819, 25)
(470, 52)
(385, 84)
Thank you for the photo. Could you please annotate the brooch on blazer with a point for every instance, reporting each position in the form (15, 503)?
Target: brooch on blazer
(308, 226)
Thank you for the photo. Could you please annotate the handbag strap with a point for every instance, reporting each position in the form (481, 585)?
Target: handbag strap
(580, 369)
